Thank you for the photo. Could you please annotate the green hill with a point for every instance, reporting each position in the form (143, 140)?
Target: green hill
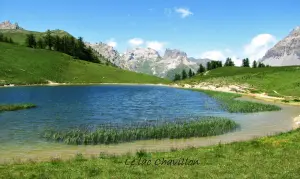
(22, 65)
(19, 35)
(283, 80)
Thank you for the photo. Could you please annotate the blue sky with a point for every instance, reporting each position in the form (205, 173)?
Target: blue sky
(202, 28)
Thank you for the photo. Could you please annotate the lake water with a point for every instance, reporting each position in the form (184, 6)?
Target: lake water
(70, 106)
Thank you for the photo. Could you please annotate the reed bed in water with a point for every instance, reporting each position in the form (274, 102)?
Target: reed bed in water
(201, 127)
(14, 107)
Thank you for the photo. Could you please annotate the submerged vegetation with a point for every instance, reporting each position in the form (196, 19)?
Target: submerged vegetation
(205, 126)
(14, 107)
(231, 104)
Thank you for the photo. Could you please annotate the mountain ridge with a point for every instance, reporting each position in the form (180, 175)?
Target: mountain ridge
(286, 52)
(149, 61)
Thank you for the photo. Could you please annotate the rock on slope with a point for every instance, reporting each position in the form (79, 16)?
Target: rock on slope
(286, 52)
(107, 52)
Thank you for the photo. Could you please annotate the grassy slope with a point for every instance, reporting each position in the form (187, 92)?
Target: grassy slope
(284, 80)
(19, 36)
(21, 65)
(268, 157)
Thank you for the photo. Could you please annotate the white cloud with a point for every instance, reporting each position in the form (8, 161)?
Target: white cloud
(156, 45)
(184, 12)
(111, 42)
(258, 46)
(255, 50)
(221, 55)
(213, 55)
(136, 42)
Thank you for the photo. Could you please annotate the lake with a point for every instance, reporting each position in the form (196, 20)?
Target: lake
(71, 106)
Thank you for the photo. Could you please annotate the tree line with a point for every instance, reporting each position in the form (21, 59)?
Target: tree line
(184, 75)
(66, 44)
(5, 39)
(218, 64)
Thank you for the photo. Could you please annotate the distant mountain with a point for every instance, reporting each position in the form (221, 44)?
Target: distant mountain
(9, 25)
(149, 61)
(286, 52)
(199, 61)
(107, 52)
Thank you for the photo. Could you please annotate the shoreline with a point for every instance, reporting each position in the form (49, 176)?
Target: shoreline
(287, 119)
(276, 122)
(227, 89)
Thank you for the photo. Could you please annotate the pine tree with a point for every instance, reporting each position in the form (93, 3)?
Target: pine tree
(261, 65)
(57, 43)
(1, 37)
(30, 41)
(10, 40)
(208, 66)
(201, 69)
(246, 63)
(229, 62)
(49, 40)
(5, 39)
(184, 74)
(72, 46)
(177, 77)
(254, 65)
(194, 74)
(190, 73)
(64, 44)
(40, 43)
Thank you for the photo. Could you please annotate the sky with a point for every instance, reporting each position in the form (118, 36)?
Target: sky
(213, 29)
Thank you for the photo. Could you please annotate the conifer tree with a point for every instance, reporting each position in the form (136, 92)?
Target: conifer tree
(183, 74)
(48, 40)
(30, 41)
(254, 64)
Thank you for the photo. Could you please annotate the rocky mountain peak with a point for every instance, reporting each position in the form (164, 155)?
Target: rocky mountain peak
(295, 31)
(286, 52)
(174, 53)
(9, 25)
(106, 51)
(148, 60)
(141, 53)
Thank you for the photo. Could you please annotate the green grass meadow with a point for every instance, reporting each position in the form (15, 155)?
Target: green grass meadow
(267, 157)
(22, 65)
(283, 80)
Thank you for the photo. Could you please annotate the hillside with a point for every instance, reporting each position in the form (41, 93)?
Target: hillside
(22, 65)
(273, 80)
(19, 35)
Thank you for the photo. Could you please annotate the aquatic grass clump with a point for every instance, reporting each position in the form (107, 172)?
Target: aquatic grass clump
(14, 107)
(229, 102)
(205, 126)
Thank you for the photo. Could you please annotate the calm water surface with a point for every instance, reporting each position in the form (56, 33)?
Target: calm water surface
(70, 106)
